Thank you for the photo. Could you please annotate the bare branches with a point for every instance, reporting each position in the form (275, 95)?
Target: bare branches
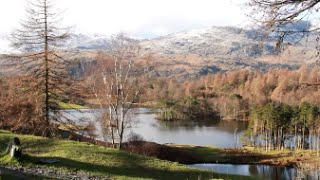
(283, 18)
(116, 84)
(21, 107)
(40, 36)
(39, 27)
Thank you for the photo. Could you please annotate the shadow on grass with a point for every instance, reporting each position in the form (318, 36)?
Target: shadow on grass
(228, 155)
(97, 161)
(130, 170)
(36, 146)
(196, 154)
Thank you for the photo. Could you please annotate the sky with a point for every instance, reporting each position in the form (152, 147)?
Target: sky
(140, 18)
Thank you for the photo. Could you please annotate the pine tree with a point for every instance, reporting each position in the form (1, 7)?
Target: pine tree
(39, 38)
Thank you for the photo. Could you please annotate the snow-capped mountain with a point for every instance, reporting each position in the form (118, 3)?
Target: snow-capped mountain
(86, 41)
(188, 55)
(198, 52)
(211, 41)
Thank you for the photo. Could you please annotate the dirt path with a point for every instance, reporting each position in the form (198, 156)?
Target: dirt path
(10, 172)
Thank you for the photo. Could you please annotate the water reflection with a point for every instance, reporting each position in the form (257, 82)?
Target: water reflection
(193, 132)
(263, 171)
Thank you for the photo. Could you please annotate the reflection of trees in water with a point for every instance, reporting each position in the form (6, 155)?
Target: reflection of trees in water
(311, 175)
(253, 170)
(232, 125)
(308, 171)
(191, 124)
(272, 172)
(188, 124)
(228, 126)
(146, 120)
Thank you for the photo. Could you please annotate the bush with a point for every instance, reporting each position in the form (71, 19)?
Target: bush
(135, 138)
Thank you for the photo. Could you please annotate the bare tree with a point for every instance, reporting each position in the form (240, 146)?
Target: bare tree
(117, 84)
(19, 110)
(282, 16)
(39, 38)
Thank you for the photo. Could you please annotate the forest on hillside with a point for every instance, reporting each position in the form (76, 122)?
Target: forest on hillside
(231, 95)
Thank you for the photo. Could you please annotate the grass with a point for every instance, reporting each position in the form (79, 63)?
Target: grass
(205, 154)
(210, 154)
(151, 104)
(100, 161)
(64, 105)
(249, 155)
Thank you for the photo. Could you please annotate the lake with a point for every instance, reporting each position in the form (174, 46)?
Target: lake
(202, 132)
(194, 132)
(267, 172)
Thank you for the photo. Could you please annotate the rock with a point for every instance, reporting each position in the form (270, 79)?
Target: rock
(14, 148)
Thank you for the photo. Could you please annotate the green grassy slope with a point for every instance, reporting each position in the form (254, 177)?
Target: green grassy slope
(99, 161)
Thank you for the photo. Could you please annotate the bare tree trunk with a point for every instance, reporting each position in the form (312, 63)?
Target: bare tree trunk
(282, 139)
(266, 140)
(111, 126)
(122, 119)
(303, 137)
(295, 137)
(121, 79)
(235, 137)
(270, 141)
(318, 143)
(46, 59)
(310, 141)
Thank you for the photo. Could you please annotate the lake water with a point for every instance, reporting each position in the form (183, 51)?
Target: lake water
(262, 171)
(194, 132)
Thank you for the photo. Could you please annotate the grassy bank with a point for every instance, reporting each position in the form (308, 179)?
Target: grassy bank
(99, 161)
(187, 154)
(64, 105)
(236, 156)
(248, 155)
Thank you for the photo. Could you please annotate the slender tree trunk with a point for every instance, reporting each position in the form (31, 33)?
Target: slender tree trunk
(310, 141)
(295, 137)
(282, 139)
(46, 59)
(318, 143)
(270, 140)
(122, 126)
(111, 126)
(266, 140)
(235, 137)
(279, 139)
(303, 137)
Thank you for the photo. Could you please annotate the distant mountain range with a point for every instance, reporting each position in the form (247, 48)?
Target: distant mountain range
(189, 55)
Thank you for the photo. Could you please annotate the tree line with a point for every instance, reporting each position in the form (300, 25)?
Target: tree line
(231, 94)
(279, 126)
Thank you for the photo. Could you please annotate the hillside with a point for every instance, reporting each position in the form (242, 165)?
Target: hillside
(192, 54)
(97, 162)
(217, 49)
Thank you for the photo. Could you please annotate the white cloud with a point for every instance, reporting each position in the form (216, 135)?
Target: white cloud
(138, 17)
